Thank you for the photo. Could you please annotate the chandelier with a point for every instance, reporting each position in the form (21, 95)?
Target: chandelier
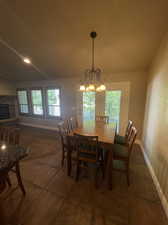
(92, 77)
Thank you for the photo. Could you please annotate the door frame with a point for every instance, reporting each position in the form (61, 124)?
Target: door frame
(124, 87)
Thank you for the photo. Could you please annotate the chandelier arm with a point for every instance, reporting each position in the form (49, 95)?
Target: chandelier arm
(92, 54)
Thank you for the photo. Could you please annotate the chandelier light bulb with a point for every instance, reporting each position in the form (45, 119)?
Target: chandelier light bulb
(102, 87)
(98, 89)
(82, 87)
(87, 88)
(91, 87)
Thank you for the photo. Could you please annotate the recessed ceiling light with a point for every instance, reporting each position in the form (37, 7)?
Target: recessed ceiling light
(27, 60)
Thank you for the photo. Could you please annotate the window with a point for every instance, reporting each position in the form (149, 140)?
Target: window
(89, 106)
(53, 102)
(23, 101)
(37, 102)
(41, 103)
(112, 106)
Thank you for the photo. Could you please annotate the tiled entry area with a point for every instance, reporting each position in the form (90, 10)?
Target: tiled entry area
(55, 199)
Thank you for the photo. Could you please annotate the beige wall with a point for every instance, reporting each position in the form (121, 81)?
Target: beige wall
(6, 87)
(155, 134)
(68, 96)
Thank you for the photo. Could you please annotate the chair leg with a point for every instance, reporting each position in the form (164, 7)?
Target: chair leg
(103, 169)
(19, 178)
(77, 171)
(63, 157)
(128, 180)
(128, 177)
(96, 173)
(8, 180)
(69, 163)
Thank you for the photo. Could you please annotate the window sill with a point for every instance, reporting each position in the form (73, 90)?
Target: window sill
(41, 117)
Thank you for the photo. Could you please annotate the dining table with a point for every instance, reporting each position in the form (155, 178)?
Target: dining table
(106, 135)
(10, 156)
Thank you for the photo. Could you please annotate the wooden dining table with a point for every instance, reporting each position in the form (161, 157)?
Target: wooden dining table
(10, 156)
(106, 135)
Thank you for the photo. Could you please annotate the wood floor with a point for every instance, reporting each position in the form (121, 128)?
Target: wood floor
(55, 199)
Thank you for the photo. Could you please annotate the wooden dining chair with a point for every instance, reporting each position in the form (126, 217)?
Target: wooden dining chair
(10, 135)
(103, 119)
(63, 132)
(14, 136)
(87, 154)
(122, 153)
(4, 133)
(123, 140)
(73, 123)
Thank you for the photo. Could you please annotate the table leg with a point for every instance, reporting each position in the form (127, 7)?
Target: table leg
(2, 182)
(109, 167)
(19, 178)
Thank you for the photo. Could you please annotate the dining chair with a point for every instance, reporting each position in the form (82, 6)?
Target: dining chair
(14, 136)
(4, 133)
(63, 132)
(10, 135)
(73, 123)
(104, 119)
(88, 155)
(122, 153)
(123, 140)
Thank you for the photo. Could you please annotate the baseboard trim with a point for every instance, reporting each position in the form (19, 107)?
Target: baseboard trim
(155, 180)
(39, 126)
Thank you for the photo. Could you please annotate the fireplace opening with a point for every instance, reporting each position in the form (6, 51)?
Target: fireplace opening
(4, 111)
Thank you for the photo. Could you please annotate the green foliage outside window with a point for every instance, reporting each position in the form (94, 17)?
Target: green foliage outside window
(112, 105)
(89, 106)
(53, 97)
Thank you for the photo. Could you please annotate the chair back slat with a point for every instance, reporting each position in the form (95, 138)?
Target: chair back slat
(10, 135)
(132, 138)
(72, 123)
(87, 145)
(63, 132)
(14, 137)
(104, 119)
(128, 130)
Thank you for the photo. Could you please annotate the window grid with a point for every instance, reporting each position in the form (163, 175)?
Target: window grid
(53, 102)
(23, 101)
(33, 104)
(37, 102)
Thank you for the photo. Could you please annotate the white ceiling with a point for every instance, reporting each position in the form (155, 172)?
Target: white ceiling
(55, 34)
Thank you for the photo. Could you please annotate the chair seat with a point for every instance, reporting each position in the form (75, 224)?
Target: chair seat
(87, 156)
(120, 140)
(90, 160)
(120, 151)
(119, 165)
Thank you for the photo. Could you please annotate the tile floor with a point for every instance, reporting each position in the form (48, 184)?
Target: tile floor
(54, 199)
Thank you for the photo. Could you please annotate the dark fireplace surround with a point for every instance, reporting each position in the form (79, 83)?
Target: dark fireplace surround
(7, 107)
(4, 111)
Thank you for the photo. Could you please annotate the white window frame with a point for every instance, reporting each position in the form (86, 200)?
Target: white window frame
(28, 103)
(32, 109)
(47, 105)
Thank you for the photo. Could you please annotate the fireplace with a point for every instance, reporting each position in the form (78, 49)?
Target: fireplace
(4, 111)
